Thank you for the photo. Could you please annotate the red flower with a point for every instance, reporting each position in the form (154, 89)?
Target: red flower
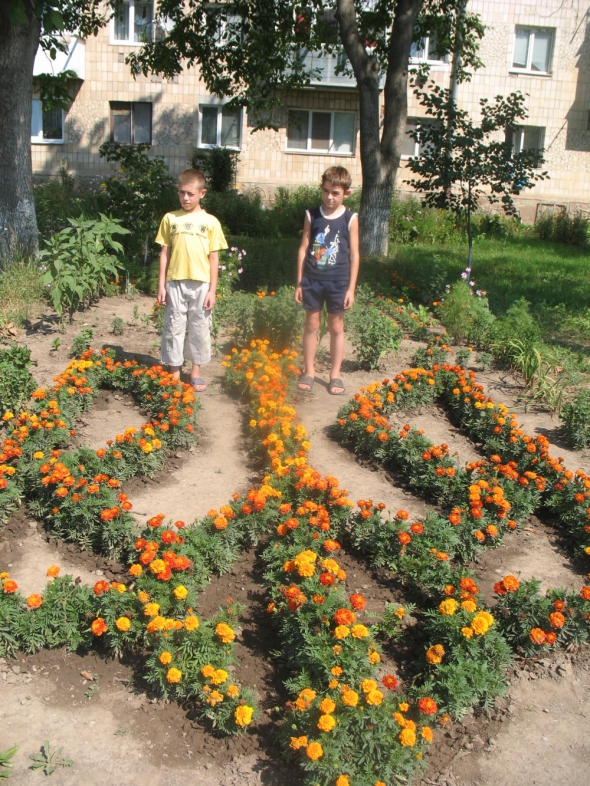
(326, 579)
(389, 681)
(101, 586)
(357, 602)
(344, 617)
(99, 626)
(427, 706)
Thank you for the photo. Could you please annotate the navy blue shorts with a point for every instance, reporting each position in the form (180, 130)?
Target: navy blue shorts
(316, 292)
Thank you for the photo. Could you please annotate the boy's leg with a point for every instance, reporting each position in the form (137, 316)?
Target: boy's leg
(197, 346)
(310, 341)
(336, 328)
(174, 327)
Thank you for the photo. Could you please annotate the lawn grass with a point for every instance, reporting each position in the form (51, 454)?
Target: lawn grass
(546, 274)
(21, 292)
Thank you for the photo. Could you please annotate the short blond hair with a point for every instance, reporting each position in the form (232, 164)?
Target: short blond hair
(338, 176)
(192, 176)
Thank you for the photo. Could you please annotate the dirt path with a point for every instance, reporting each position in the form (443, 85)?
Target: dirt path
(121, 736)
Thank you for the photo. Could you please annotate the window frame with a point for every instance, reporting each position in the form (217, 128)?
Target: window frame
(521, 131)
(131, 105)
(416, 121)
(129, 41)
(315, 151)
(441, 63)
(219, 108)
(531, 29)
(40, 140)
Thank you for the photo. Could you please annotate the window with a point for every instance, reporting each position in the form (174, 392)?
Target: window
(133, 22)
(532, 50)
(47, 125)
(131, 123)
(424, 51)
(526, 138)
(413, 148)
(321, 132)
(220, 126)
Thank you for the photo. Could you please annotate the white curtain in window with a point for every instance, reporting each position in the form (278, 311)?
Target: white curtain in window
(37, 119)
(541, 50)
(122, 22)
(521, 49)
(343, 132)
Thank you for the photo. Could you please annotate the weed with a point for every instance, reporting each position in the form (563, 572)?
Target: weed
(49, 760)
(81, 342)
(484, 360)
(463, 357)
(5, 764)
(56, 343)
(21, 292)
(576, 420)
(117, 326)
(374, 335)
(16, 382)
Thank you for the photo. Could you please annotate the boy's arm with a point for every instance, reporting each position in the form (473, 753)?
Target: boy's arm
(354, 263)
(301, 259)
(164, 262)
(214, 264)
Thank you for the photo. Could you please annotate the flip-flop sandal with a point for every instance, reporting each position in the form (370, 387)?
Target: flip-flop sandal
(308, 382)
(199, 385)
(336, 383)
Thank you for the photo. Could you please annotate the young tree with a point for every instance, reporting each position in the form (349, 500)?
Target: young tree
(252, 51)
(461, 162)
(23, 27)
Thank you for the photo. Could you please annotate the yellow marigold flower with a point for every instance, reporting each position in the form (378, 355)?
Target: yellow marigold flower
(327, 706)
(341, 632)
(123, 624)
(407, 737)
(336, 671)
(367, 685)
(337, 649)
(158, 566)
(448, 607)
(165, 658)
(487, 617)
(342, 780)
(151, 609)
(400, 613)
(480, 624)
(225, 633)
(469, 605)
(233, 691)
(326, 723)
(435, 654)
(403, 706)
(191, 622)
(298, 742)
(174, 675)
(360, 632)
(38, 454)
(374, 658)
(333, 684)
(314, 751)
(207, 671)
(142, 596)
(350, 698)
(307, 695)
(374, 697)
(306, 569)
(243, 715)
(219, 676)
(156, 624)
(180, 592)
(467, 632)
(426, 733)
(136, 570)
(215, 698)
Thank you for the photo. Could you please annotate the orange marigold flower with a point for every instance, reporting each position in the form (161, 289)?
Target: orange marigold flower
(173, 675)
(358, 602)
(99, 626)
(537, 636)
(34, 601)
(344, 617)
(556, 620)
(427, 706)
(314, 750)
(53, 572)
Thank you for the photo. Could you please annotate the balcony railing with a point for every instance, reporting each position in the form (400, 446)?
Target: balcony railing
(74, 59)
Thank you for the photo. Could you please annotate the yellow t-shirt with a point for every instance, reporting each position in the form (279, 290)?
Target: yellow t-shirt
(192, 237)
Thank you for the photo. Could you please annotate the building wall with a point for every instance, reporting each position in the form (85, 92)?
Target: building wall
(560, 103)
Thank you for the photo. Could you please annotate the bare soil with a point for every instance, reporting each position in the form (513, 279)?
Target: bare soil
(117, 733)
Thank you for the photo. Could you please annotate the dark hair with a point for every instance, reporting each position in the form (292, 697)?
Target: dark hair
(338, 176)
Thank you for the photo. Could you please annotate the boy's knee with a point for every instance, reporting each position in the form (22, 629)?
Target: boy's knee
(335, 324)
(312, 321)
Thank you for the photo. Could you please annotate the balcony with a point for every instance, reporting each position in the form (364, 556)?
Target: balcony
(74, 59)
(326, 66)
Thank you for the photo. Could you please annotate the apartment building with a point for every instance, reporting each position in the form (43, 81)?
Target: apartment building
(543, 50)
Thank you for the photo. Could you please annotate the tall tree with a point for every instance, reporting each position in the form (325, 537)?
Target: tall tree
(252, 51)
(24, 26)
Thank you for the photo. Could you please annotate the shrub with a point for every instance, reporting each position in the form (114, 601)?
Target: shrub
(58, 199)
(562, 227)
(81, 342)
(518, 323)
(276, 317)
(79, 262)
(16, 382)
(219, 165)
(117, 326)
(374, 335)
(466, 316)
(410, 221)
(576, 420)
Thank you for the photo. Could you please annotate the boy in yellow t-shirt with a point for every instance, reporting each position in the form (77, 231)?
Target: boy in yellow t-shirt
(189, 264)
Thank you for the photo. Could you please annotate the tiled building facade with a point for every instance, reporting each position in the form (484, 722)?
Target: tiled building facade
(543, 50)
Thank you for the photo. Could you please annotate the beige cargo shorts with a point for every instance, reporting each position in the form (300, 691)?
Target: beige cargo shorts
(187, 326)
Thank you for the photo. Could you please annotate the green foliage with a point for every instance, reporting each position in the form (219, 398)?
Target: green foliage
(411, 221)
(81, 342)
(244, 214)
(374, 335)
(16, 381)
(563, 227)
(5, 764)
(466, 316)
(79, 261)
(49, 760)
(117, 326)
(231, 267)
(276, 317)
(59, 198)
(485, 360)
(219, 165)
(138, 194)
(463, 357)
(21, 292)
(575, 417)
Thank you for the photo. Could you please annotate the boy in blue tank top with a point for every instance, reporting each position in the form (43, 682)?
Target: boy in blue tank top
(327, 269)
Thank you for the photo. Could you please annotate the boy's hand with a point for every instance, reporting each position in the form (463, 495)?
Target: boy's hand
(349, 299)
(162, 295)
(209, 301)
(299, 294)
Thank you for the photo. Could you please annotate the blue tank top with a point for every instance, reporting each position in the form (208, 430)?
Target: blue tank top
(328, 253)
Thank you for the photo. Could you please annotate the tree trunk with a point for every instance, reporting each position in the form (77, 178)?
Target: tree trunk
(380, 152)
(18, 46)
